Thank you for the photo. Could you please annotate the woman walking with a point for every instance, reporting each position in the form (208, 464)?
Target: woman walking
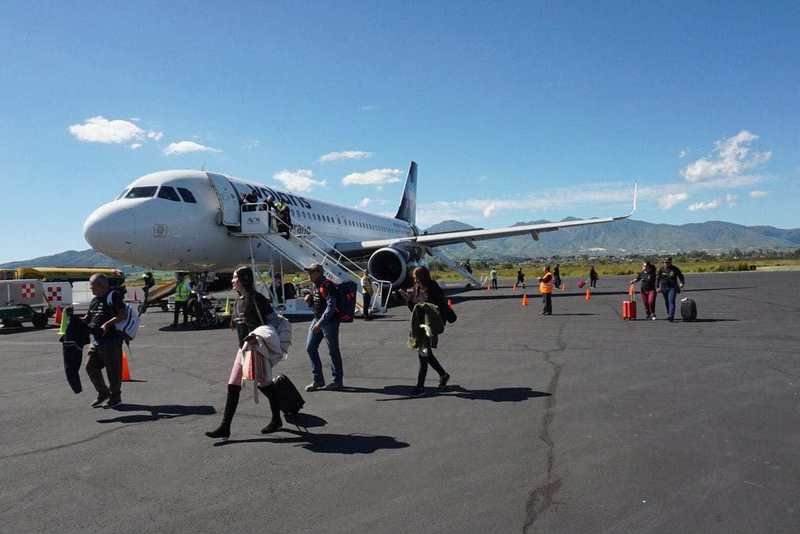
(593, 278)
(647, 277)
(259, 349)
(426, 301)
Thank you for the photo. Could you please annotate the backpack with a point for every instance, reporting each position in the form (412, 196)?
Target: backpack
(346, 301)
(128, 326)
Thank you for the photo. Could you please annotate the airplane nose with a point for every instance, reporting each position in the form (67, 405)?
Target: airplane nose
(110, 229)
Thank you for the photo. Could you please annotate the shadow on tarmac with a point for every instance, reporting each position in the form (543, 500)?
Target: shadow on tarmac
(163, 411)
(457, 297)
(329, 443)
(405, 392)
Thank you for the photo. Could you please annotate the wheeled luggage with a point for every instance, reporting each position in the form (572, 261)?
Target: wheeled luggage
(629, 310)
(290, 401)
(688, 309)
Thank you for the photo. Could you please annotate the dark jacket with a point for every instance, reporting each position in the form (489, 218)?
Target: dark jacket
(668, 277)
(252, 310)
(101, 311)
(435, 296)
(647, 277)
(425, 313)
(325, 293)
(73, 341)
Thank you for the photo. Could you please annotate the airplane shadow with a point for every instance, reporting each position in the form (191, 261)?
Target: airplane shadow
(405, 392)
(163, 411)
(328, 443)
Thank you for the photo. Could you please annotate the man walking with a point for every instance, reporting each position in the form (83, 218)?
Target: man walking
(493, 275)
(546, 289)
(670, 282)
(520, 278)
(106, 308)
(325, 325)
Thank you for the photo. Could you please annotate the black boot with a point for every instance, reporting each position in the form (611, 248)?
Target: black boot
(276, 422)
(224, 429)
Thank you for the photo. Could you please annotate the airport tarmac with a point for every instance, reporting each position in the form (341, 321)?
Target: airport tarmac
(577, 422)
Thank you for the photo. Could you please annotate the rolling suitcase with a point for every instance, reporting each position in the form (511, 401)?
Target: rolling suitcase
(629, 310)
(290, 401)
(688, 309)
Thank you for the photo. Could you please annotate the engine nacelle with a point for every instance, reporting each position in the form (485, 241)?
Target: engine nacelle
(389, 264)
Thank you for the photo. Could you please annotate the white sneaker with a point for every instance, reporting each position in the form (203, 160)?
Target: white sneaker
(653, 317)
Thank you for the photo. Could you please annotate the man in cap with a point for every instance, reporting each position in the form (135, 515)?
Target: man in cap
(670, 281)
(325, 325)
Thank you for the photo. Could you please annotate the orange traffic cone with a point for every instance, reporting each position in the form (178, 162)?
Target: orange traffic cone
(525, 299)
(59, 316)
(588, 296)
(126, 372)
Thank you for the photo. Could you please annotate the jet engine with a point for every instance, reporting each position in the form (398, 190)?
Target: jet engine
(392, 265)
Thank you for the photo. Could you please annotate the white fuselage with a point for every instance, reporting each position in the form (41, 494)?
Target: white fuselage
(162, 230)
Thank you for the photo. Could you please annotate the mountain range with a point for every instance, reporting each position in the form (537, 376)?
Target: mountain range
(615, 239)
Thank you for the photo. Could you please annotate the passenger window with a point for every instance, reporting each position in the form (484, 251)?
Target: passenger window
(187, 195)
(168, 193)
(142, 192)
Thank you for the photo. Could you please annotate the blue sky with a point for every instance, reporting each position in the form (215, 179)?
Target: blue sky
(514, 111)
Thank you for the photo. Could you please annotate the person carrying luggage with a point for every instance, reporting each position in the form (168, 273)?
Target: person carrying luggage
(670, 281)
(647, 277)
(546, 289)
(427, 302)
(258, 351)
(325, 325)
(106, 309)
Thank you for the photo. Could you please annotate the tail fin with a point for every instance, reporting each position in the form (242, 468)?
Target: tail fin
(408, 204)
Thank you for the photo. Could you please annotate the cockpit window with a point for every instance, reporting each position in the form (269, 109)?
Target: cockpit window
(168, 193)
(122, 194)
(186, 195)
(142, 192)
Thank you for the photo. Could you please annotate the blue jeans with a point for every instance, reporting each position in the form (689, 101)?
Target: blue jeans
(330, 331)
(669, 300)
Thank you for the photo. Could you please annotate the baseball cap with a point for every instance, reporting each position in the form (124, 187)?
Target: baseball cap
(313, 267)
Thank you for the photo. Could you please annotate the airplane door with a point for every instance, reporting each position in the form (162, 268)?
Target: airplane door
(228, 199)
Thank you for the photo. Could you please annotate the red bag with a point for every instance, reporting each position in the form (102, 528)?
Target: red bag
(629, 310)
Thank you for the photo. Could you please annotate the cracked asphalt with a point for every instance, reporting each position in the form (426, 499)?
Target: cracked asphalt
(577, 422)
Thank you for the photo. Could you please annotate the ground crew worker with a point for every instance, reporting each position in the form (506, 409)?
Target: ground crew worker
(520, 278)
(284, 218)
(546, 289)
(182, 293)
(493, 276)
(366, 296)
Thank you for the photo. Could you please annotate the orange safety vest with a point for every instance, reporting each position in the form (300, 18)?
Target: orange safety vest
(546, 283)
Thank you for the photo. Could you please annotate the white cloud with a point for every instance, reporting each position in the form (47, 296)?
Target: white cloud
(373, 177)
(670, 200)
(101, 130)
(732, 157)
(301, 180)
(682, 154)
(730, 200)
(703, 206)
(187, 147)
(345, 154)
(758, 194)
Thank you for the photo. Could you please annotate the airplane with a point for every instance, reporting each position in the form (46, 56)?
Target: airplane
(187, 220)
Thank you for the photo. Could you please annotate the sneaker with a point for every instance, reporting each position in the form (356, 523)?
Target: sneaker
(315, 386)
(670, 319)
(653, 317)
(443, 381)
(334, 386)
(101, 398)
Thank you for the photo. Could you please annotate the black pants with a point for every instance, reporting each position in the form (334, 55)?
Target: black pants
(107, 354)
(366, 301)
(593, 282)
(426, 357)
(181, 305)
(547, 299)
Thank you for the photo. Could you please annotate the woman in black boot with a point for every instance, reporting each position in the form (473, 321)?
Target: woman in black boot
(260, 349)
(427, 290)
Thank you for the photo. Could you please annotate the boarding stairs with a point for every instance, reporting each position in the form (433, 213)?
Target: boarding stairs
(302, 247)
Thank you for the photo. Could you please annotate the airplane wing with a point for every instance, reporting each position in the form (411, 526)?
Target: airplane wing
(470, 236)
